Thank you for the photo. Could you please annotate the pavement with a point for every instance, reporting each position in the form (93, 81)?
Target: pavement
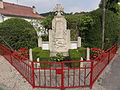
(10, 79)
(112, 79)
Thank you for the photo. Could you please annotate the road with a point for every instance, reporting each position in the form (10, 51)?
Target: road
(112, 79)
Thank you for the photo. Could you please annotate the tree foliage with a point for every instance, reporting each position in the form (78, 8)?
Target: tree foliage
(112, 31)
(81, 23)
(47, 22)
(18, 33)
(111, 5)
(89, 26)
(77, 23)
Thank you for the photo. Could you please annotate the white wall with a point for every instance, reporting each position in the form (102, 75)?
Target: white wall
(45, 45)
(73, 45)
(3, 18)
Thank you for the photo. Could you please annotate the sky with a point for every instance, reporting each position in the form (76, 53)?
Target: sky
(44, 6)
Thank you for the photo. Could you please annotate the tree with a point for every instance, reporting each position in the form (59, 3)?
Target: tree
(111, 5)
(47, 22)
(82, 23)
(79, 24)
(112, 31)
(18, 33)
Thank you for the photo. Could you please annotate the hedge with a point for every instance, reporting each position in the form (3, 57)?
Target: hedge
(18, 33)
(76, 54)
(43, 55)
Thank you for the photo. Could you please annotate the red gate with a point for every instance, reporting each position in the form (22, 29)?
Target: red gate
(68, 74)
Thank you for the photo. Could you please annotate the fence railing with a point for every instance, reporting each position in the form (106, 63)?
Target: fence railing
(19, 63)
(67, 74)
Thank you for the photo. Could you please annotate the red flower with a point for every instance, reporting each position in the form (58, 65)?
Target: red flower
(23, 49)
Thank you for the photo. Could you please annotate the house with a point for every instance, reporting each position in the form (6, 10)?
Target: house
(9, 10)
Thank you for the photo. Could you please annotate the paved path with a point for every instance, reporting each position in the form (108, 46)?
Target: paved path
(112, 79)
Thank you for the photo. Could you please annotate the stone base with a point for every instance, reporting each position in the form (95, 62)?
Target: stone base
(53, 54)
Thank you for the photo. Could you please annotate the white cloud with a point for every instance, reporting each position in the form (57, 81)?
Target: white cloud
(73, 9)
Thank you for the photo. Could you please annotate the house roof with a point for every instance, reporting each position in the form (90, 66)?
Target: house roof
(18, 10)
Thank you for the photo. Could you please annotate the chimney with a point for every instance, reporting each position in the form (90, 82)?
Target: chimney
(34, 9)
(1, 4)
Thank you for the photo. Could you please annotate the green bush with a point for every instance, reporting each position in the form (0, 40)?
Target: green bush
(76, 54)
(35, 53)
(82, 52)
(18, 33)
(43, 55)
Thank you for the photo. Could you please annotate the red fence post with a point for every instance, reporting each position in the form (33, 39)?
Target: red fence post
(10, 58)
(108, 57)
(62, 77)
(91, 74)
(33, 74)
(2, 51)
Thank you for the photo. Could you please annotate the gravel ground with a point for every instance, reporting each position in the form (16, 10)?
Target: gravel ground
(10, 79)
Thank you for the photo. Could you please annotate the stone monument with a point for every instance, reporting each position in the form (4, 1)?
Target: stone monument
(59, 36)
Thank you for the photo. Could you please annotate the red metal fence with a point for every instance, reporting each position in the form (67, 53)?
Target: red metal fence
(67, 74)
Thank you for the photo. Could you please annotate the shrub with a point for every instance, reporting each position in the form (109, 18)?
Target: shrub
(18, 33)
(95, 53)
(43, 55)
(76, 54)
(39, 53)
(82, 52)
(35, 53)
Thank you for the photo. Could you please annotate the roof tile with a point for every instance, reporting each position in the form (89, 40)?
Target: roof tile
(18, 10)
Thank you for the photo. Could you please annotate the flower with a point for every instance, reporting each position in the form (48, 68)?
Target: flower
(23, 49)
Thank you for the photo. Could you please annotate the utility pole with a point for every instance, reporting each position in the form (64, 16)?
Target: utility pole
(103, 23)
